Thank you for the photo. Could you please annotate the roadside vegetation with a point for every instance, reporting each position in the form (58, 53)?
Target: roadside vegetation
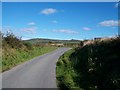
(94, 66)
(16, 51)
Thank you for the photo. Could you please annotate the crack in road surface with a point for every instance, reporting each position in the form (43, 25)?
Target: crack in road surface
(36, 73)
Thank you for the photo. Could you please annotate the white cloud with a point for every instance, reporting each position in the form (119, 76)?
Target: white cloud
(54, 21)
(110, 23)
(30, 30)
(68, 31)
(24, 38)
(48, 11)
(31, 23)
(86, 28)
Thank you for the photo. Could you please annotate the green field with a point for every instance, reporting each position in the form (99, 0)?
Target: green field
(95, 66)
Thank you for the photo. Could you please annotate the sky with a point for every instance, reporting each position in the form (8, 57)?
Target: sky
(60, 20)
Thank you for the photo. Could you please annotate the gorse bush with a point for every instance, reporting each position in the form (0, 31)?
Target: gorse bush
(28, 45)
(12, 40)
(97, 66)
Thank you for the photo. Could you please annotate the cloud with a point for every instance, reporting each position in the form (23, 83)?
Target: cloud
(31, 23)
(86, 28)
(25, 38)
(30, 30)
(48, 11)
(54, 21)
(110, 23)
(66, 31)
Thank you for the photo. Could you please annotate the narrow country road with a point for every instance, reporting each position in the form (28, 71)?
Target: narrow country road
(36, 73)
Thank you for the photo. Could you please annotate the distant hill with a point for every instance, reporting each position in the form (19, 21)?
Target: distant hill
(45, 41)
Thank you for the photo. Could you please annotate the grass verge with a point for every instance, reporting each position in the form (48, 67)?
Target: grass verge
(12, 57)
(65, 72)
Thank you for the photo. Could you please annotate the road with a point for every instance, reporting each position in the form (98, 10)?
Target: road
(36, 73)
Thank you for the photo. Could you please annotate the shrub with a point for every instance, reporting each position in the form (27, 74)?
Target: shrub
(81, 43)
(12, 41)
(28, 45)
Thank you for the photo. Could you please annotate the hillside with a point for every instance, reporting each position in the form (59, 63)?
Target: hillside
(45, 41)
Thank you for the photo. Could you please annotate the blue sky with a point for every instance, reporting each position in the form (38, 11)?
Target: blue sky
(60, 20)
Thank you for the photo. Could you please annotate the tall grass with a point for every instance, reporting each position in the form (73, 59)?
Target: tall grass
(91, 67)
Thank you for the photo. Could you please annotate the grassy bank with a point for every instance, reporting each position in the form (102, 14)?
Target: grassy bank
(92, 67)
(65, 72)
(16, 51)
(12, 57)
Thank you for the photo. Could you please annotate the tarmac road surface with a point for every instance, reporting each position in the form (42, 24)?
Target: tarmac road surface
(36, 73)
